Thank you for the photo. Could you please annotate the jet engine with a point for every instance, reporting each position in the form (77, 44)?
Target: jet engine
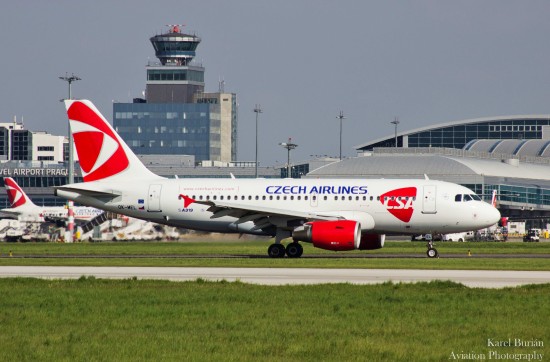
(372, 241)
(339, 235)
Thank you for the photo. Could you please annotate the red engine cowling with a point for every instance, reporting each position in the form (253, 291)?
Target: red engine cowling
(337, 235)
(372, 241)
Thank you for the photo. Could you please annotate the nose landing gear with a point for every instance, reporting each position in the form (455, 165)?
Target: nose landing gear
(431, 252)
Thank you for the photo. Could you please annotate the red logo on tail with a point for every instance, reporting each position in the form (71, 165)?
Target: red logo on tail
(15, 194)
(99, 152)
(399, 202)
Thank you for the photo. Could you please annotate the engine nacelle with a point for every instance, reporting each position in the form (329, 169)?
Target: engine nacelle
(372, 241)
(339, 235)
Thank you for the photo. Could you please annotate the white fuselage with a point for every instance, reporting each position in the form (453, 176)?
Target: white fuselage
(396, 206)
(35, 213)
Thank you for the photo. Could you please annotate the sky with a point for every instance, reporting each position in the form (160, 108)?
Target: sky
(303, 61)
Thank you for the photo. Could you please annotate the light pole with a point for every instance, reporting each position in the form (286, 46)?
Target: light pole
(257, 110)
(395, 122)
(341, 117)
(70, 166)
(289, 146)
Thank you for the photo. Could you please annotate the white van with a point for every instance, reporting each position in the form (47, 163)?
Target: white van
(458, 236)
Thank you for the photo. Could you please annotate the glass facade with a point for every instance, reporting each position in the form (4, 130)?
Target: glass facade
(177, 74)
(457, 136)
(21, 147)
(167, 128)
(4, 142)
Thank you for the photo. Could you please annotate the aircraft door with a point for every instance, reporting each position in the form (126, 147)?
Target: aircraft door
(153, 198)
(429, 200)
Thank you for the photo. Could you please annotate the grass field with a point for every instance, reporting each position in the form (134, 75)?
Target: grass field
(97, 320)
(227, 254)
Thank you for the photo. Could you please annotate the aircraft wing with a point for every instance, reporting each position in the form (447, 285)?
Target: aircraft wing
(265, 216)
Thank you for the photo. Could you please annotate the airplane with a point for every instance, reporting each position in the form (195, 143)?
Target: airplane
(332, 214)
(24, 209)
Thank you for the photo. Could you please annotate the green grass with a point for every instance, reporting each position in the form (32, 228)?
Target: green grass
(89, 319)
(169, 254)
(258, 247)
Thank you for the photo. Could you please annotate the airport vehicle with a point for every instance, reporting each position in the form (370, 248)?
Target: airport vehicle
(458, 236)
(532, 235)
(333, 214)
(23, 209)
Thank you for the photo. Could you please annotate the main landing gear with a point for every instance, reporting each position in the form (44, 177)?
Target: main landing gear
(278, 250)
(293, 250)
(432, 252)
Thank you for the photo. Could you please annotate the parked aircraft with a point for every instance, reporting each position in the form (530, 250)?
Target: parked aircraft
(22, 207)
(333, 214)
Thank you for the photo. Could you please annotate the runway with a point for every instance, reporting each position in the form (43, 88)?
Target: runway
(286, 276)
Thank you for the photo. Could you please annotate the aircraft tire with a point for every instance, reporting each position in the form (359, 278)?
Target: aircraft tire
(294, 250)
(432, 253)
(276, 251)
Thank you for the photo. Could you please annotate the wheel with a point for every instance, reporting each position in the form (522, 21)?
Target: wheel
(294, 250)
(276, 251)
(461, 240)
(432, 253)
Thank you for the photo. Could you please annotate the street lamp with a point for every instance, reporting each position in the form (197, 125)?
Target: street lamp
(70, 166)
(341, 117)
(257, 110)
(395, 122)
(289, 146)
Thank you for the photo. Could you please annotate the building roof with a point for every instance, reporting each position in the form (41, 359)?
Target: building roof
(454, 123)
(433, 165)
(533, 148)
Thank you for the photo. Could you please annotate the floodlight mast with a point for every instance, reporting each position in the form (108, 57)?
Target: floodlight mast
(257, 110)
(70, 166)
(289, 146)
(341, 117)
(395, 122)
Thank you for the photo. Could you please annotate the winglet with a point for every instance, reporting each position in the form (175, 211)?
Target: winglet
(494, 198)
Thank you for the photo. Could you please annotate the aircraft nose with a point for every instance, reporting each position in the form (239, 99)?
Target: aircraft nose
(493, 215)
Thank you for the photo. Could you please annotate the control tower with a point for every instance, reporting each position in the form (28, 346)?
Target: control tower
(176, 79)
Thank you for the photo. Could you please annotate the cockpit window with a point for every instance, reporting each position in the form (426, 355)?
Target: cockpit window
(467, 197)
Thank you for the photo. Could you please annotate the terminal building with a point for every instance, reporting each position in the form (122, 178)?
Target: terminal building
(177, 117)
(18, 143)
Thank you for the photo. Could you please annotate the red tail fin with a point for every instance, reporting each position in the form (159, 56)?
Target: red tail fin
(16, 195)
(494, 198)
(101, 152)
